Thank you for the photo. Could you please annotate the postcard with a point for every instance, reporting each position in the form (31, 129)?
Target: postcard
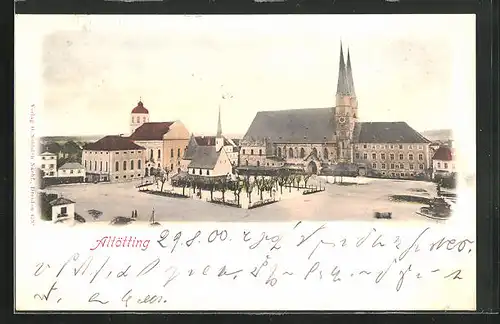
(245, 163)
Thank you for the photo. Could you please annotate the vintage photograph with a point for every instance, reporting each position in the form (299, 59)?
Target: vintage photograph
(252, 119)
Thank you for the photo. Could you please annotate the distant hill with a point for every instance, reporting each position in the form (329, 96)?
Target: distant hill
(438, 135)
(63, 139)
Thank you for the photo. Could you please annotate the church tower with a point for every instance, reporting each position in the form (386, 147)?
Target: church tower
(139, 116)
(219, 140)
(346, 107)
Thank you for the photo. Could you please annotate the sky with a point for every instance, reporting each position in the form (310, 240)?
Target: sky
(89, 72)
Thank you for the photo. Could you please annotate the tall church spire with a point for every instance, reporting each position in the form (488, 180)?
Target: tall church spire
(342, 84)
(219, 126)
(350, 80)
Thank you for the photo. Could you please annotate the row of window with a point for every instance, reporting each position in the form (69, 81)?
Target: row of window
(200, 172)
(139, 119)
(117, 165)
(71, 171)
(116, 152)
(48, 157)
(445, 165)
(391, 146)
(49, 166)
(393, 166)
(292, 153)
(392, 156)
(258, 163)
(131, 176)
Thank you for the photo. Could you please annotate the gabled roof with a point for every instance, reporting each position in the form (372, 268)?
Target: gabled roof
(61, 201)
(113, 143)
(443, 153)
(210, 140)
(386, 132)
(151, 131)
(191, 148)
(71, 165)
(205, 158)
(140, 109)
(47, 154)
(71, 147)
(315, 125)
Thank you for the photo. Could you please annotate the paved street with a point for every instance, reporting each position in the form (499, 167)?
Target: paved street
(352, 202)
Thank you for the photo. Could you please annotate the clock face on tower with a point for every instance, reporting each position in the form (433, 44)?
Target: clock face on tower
(342, 120)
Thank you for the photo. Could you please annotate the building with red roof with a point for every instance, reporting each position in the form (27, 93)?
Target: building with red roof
(443, 161)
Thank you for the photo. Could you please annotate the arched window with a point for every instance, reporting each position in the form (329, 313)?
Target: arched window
(200, 171)
(208, 172)
(258, 163)
(131, 164)
(279, 151)
(325, 153)
(150, 154)
(296, 152)
(246, 162)
(290, 152)
(124, 165)
(117, 166)
(139, 120)
(95, 165)
(139, 164)
(100, 166)
(178, 152)
(85, 164)
(315, 152)
(251, 152)
(302, 153)
(106, 166)
(159, 154)
(260, 152)
(172, 153)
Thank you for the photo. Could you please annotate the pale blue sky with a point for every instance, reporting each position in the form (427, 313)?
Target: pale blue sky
(95, 68)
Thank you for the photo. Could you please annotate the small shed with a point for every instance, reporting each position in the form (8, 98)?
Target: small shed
(62, 208)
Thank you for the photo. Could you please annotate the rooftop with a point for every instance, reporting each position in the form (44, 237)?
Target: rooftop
(151, 131)
(113, 143)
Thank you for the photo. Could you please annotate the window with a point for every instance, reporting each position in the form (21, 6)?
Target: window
(131, 164)
(124, 176)
(391, 156)
(251, 152)
(267, 164)
(401, 156)
(445, 165)
(374, 156)
(124, 165)
(193, 171)
(364, 145)
(64, 210)
(143, 119)
(117, 152)
(258, 163)
(402, 166)
(356, 155)
(382, 156)
(400, 146)
(260, 152)
(420, 157)
(95, 165)
(374, 165)
(200, 172)
(244, 151)
(71, 171)
(410, 157)
(132, 119)
(208, 172)
(392, 166)
(302, 153)
(420, 147)
(178, 152)
(397, 166)
(171, 166)
(421, 166)
(391, 146)
(43, 166)
(325, 154)
(246, 162)
(383, 165)
(373, 147)
(279, 151)
(439, 164)
(365, 156)
(159, 154)
(79, 171)
(106, 167)
(85, 162)
(159, 165)
(411, 166)
(117, 166)
(116, 177)
(139, 164)
(100, 166)
(171, 153)
(150, 154)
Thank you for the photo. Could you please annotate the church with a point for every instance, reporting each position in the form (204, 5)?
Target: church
(317, 139)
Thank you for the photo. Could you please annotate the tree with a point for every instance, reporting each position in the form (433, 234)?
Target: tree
(290, 181)
(236, 187)
(298, 178)
(261, 185)
(161, 176)
(248, 185)
(211, 185)
(307, 176)
(282, 178)
(223, 186)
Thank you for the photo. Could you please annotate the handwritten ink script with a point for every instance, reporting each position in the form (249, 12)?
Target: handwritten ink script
(214, 267)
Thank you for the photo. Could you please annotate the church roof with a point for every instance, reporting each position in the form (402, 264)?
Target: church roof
(191, 148)
(314, 125)
(151, 131)
(205, 157)
(113, 143)
(387, 132)
(140, 109)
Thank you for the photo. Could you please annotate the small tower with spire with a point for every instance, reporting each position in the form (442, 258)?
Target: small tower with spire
(139, 115)
(219, 139)
(346, 106)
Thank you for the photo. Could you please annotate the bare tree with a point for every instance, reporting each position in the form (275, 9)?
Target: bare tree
(236, 187)
(248, 185)
(298, 178)
(307, 176)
